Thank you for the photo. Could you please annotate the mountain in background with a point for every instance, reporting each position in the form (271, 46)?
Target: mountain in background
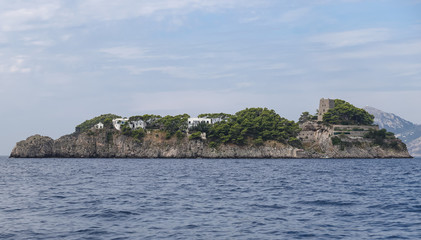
(407, 131)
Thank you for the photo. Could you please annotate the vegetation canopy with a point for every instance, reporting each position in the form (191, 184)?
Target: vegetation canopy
(345, 113)
(106, 119)
(258, 124)
(173, 124)
(306, 116)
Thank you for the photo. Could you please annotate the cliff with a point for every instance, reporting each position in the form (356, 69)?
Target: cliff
(409, 132)
(112, 144)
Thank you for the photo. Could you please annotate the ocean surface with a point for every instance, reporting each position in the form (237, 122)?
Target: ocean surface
(210, 198)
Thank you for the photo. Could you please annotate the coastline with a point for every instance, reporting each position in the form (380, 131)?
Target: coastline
(85, 145)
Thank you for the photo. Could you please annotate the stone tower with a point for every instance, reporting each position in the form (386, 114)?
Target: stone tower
(325, 105)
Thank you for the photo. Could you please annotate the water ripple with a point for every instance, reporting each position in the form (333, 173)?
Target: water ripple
(210, 199)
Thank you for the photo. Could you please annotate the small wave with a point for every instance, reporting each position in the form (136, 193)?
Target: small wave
(272, 206)
(113, 214)
(326, 203)
(189, 226)
(414, 209)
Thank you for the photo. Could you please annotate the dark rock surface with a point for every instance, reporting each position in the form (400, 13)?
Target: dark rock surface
(112, 144)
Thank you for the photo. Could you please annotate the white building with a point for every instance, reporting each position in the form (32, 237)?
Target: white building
(192, 122)
(118, 122)
(99, 125)
(132, 124)
(137, 124)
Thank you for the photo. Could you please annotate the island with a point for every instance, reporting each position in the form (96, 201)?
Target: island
(337, 130)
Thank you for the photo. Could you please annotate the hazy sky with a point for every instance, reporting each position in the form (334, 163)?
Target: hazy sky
(62, 62)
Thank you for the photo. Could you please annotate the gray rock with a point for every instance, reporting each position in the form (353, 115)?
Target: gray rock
(112, 144)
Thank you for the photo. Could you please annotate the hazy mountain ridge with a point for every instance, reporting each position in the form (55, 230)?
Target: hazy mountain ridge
(407, 131)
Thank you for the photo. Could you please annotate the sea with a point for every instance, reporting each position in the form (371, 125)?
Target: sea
(210, 198)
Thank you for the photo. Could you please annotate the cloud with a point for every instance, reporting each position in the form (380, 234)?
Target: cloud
(41, 14)
(181, 72)
(15, 65)
(125, 52)
(195, 101)
(412, 48)
(139, 70)
(28, 17)
(352, 38)
(294, 15)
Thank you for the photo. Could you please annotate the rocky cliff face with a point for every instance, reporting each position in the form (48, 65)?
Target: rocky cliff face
(409, 132)
(320, 145)
(112, 144)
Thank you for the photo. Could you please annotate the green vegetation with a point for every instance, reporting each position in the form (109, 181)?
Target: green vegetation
(106, 119)
(216, 116)
(258, 124)
(385, 139)
(249, 126)
(306, 116)
(345, 113)
(109, 137)
(195, 135)
(172, 124)
(180, 135)
(137, 134)
(152, 121)
(201, 127)
(379, 136)
(336, 140)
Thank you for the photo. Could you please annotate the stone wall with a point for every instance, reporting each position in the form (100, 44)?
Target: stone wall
(352, 130)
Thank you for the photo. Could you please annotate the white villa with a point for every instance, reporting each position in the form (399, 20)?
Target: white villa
(192, 122)
(132, 124)
(99, 125)
(117, 122)
(137, 124)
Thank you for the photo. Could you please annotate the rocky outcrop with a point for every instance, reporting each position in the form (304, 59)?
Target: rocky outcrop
(34, 147)
(112, 144)
(409, 132)
(319, 145)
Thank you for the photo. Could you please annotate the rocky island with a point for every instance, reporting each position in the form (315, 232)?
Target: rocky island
(338, 130)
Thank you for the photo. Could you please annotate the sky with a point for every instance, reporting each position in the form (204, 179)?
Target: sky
(65, 61)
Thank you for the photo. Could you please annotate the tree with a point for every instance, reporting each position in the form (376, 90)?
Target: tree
(106, 119)
(305, 117)
(216, 117)
(251, 124)
(172, 124)
(345, 113)
(200, 127)
(151, 120)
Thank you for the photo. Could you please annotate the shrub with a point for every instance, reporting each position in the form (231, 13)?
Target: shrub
(195, 135)
(336, 140)
(104, 118)
(213, 145)
(109, 137)
(295, 142)
(179, 134)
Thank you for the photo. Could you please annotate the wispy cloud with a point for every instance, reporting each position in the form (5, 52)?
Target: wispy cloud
(15, 65)
(21, 16)
(412, 48)
(181, 72)
(294, 15)
(26, 17)
(125, 52)
(188, 101)
(352, 38)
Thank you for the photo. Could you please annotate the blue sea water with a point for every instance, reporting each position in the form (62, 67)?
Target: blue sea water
(210, 198)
